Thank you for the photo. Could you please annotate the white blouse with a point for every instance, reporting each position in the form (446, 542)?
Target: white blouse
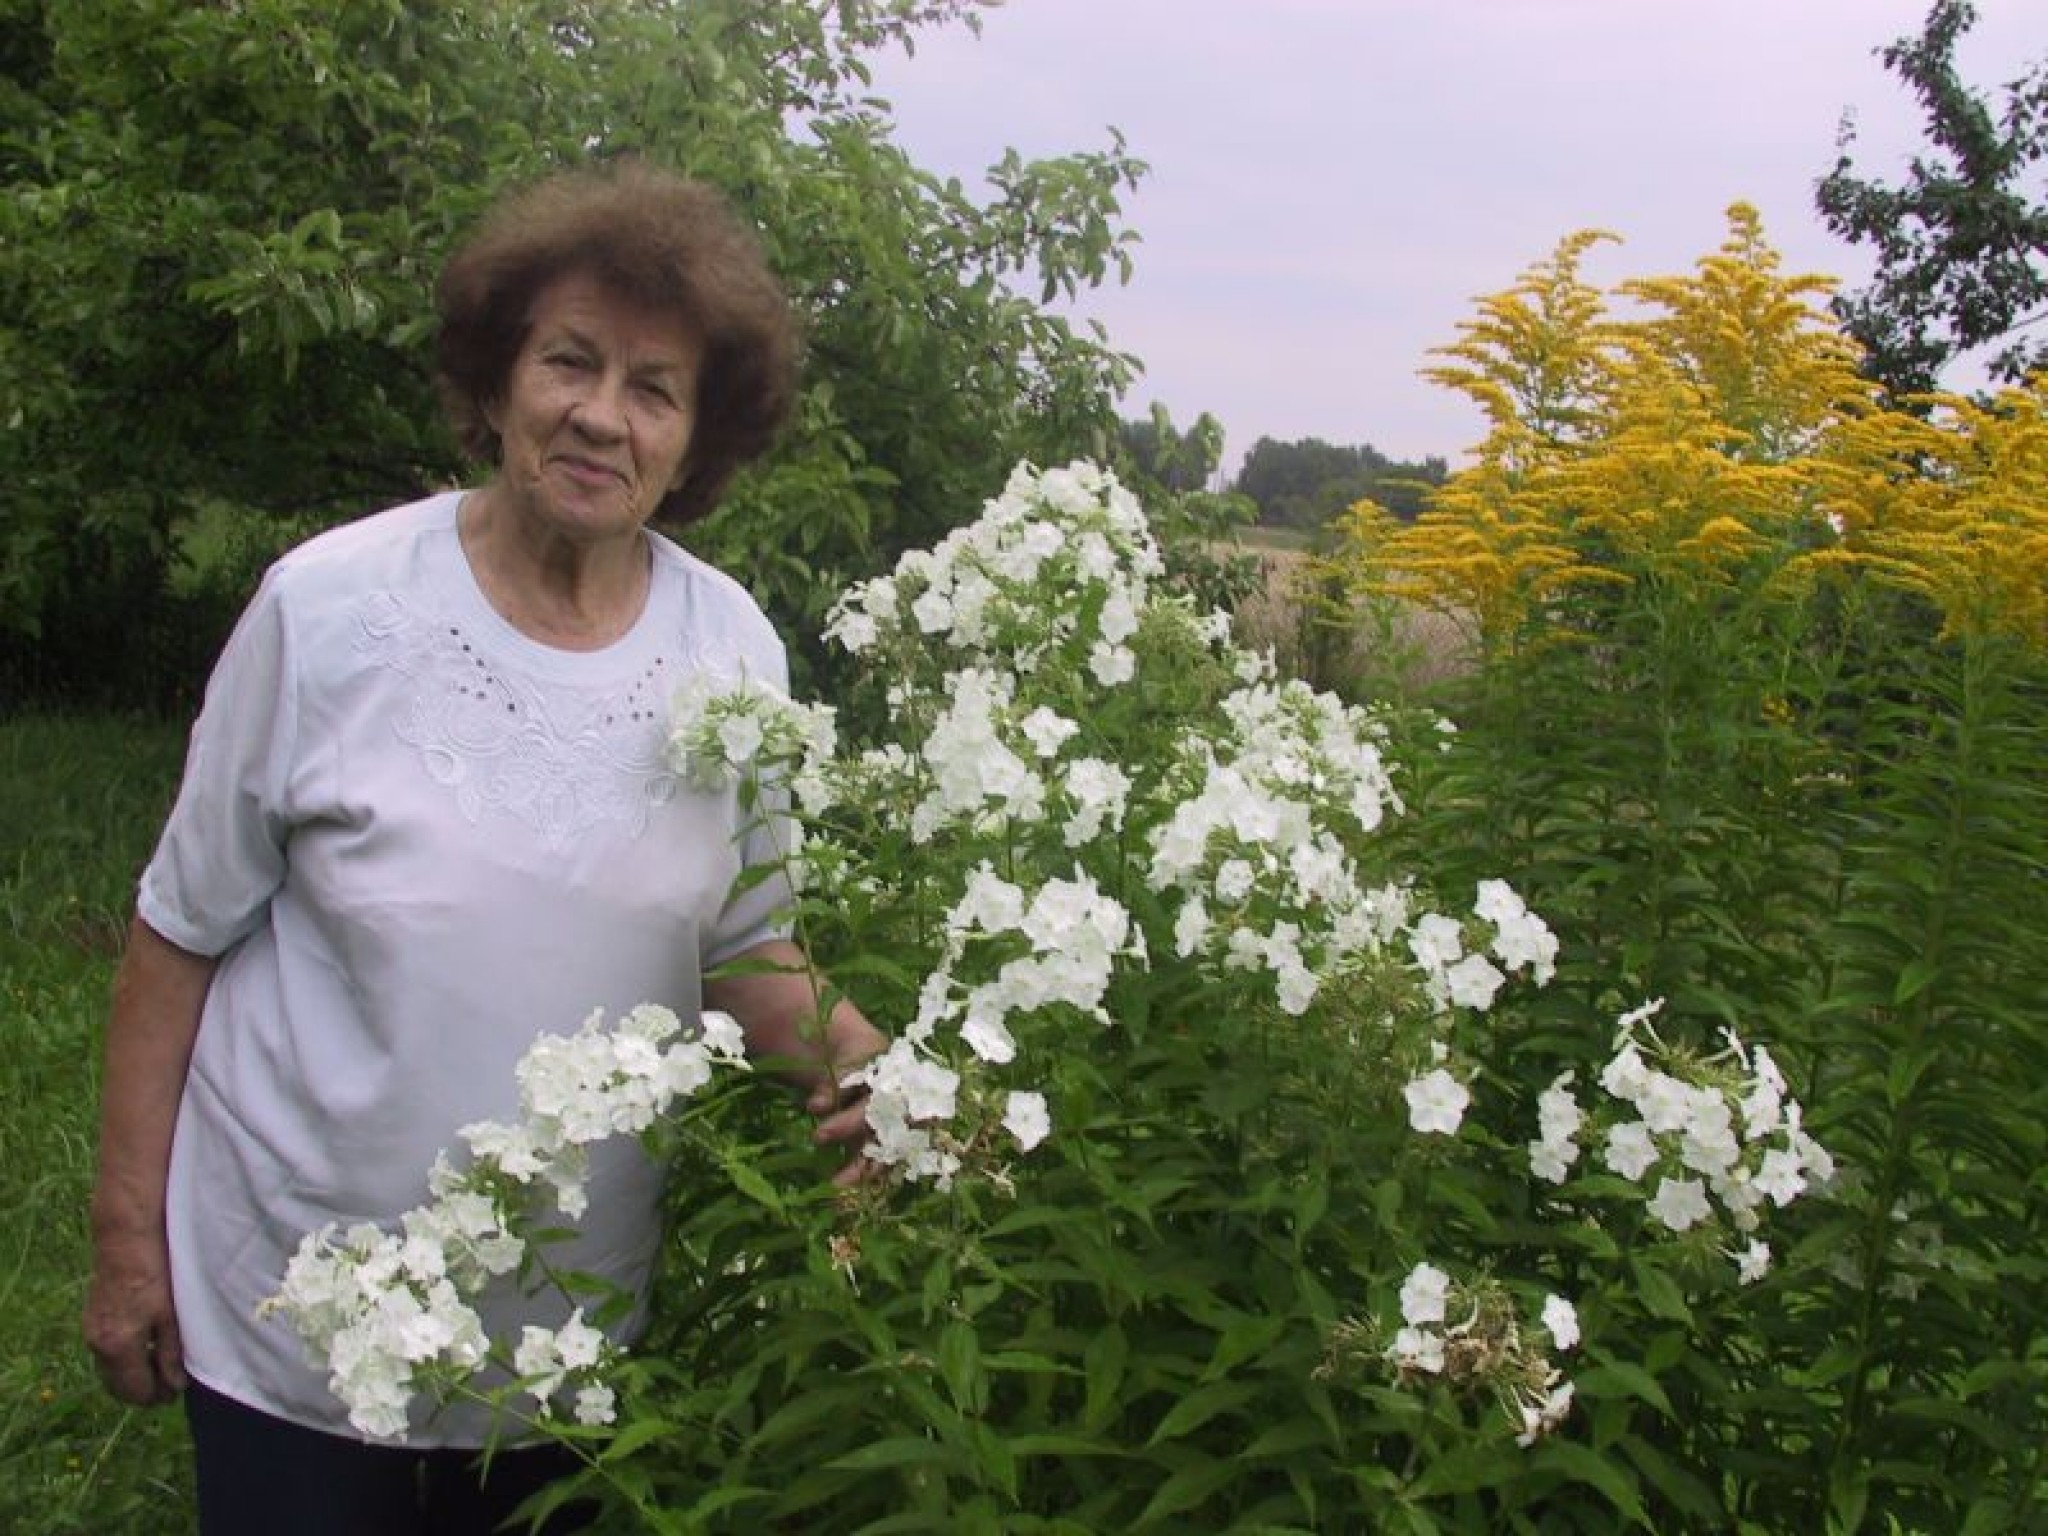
(418, 839)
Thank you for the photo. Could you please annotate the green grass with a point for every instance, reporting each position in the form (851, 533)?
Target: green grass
(80, 802)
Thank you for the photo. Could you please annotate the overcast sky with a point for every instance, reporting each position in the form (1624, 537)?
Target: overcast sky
(1334, 181)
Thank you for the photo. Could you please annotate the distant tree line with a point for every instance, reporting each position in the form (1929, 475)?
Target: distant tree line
(1299, 484)
(1304, 483)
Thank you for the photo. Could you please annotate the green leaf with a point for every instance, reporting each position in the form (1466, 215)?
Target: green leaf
(638, 1432)
(1621, 1378)
(1577, 1464)
(960, 1366)
(1466, 1469)
(1659, 1293)
(897, 1451)
(1198, 1408)
(1185, 1489)
(1917, 977)
(1104, 1360)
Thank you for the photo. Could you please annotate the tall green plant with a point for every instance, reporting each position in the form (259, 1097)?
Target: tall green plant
(1759, 695)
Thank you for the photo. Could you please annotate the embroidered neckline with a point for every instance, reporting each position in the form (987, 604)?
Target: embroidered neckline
(562, 758)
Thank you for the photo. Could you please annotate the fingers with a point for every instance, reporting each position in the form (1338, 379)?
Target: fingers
(857, 1170)
(842, 1114)
(131, 1325)
(145, 1367)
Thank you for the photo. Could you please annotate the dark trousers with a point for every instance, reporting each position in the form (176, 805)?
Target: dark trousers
(260, 1475)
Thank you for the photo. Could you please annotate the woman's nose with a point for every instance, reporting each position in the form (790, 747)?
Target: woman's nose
(601, 412)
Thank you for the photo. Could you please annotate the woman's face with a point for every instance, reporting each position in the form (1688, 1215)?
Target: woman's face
(597, 413)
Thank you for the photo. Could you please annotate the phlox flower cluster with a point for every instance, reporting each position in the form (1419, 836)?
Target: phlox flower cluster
(1062, 563)
(724, 730)
(1245, 818)
(378, 1308)
(1456, 972)
(1258, 853)
(1056, 946)
(1470, 1336)
(980, 594)
(1465, 965)
(1714, 1140)
(383, 1311)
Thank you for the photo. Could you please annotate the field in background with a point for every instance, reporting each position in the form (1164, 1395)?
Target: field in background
(1356, 648)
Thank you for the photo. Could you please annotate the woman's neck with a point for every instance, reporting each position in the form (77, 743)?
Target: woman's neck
(575, 597)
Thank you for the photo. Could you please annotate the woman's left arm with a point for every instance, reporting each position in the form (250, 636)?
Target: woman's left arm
(775, 998)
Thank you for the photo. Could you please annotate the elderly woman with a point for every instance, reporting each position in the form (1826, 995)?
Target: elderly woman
(426, 816)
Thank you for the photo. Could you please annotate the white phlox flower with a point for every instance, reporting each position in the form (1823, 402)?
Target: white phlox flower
(1545, 1414)
(1680, 1203)
(1561, 1320)
(1111, 665)
(1631, 1152)
(1436, 1103)
(377, 1307)
(1473, 982)
(1437, 942)
(722, 728)
(1753, 1262)
(972, 769)
(1521, 939)
(1424, 1295)
(1558, 1119)
(575, 1354)
(1418, 1349)
(1099, 792)
(1047, 731)
(1025, 1117)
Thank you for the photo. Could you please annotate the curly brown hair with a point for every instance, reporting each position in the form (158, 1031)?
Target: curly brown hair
(657, 239)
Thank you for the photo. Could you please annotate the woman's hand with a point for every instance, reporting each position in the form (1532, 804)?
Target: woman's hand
(842, 1116)
(774, 994)
(130, 1324)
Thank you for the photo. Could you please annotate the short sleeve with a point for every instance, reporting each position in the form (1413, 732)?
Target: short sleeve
(222, 852)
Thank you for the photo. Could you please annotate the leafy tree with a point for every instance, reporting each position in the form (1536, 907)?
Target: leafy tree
(222, 223)
(1172, 460)
(1172, 471)
(1962, 242)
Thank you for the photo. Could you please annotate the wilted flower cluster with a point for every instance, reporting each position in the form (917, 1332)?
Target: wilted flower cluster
(1469, 1336)
(1714, 1139)
(382, 1310)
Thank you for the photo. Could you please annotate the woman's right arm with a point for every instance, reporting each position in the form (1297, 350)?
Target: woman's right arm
(130, 1323)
